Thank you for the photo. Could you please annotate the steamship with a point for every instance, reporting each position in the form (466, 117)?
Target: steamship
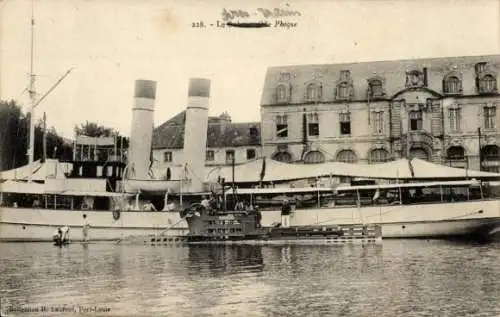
(121, 199)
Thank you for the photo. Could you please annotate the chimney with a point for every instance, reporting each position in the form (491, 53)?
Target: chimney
(195, 132)
(224, 121)
(142, 129)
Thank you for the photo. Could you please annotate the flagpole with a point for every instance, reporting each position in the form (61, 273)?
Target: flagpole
(32, 95)
(358, 206)
(115, 146)
(232, 175)
(369, 92)
(399, 187)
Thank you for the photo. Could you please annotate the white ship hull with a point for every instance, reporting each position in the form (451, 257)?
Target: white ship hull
(398, 221)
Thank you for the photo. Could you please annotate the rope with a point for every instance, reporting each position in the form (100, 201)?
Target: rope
(342, 218)
(161, 233)
(193, 174)
(397, 210)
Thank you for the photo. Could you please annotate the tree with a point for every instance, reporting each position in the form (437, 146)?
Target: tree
(94, 130)
(14, 135)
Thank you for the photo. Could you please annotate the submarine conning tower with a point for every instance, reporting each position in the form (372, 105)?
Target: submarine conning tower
(195, 132)
(142, 129)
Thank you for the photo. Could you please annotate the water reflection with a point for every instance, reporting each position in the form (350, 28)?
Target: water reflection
(217, 260)
(430, 278)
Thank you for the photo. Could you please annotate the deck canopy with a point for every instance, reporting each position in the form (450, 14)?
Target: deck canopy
(34, 188)
(22, 172)
(339, 189)
(40, 171)
(269, 170)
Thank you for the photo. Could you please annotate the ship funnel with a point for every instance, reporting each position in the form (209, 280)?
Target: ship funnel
(195, 132)
(142, 129)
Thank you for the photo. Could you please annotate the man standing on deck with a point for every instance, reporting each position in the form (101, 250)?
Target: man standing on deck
(85, 230)
(285, 213)
(205, 203)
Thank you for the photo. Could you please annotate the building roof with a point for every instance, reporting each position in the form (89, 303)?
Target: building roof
(221, 133)
(392, 73)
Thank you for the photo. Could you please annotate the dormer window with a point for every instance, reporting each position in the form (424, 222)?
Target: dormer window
(313, 92)
(343, 90)
(375, 88)
(415, 78)
(345, 75)
(282, 93)
(209, 155)
(167, 157)
(480, 68)
(487, 84)
(253, 132)
(452, 85)
(230, 156)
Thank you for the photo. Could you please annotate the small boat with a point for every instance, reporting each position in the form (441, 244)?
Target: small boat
(61, 236)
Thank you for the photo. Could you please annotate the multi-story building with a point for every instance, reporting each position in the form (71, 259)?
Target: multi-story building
(444, 110)
(225, 140)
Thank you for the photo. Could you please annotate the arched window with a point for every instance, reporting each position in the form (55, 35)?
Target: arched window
(379, 156)
(487, 84)
(455, 153)
(347, 156)
(281, 93)
(452, 85)
(313, 92)
(282, 157)
(314, 157)
(455, 156)
(490, 152)
(419, 153)
(490, 155)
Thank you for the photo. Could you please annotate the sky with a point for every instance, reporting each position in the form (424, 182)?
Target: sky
(111, 43)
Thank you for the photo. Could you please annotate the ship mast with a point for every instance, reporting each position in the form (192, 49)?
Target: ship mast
(32, 95)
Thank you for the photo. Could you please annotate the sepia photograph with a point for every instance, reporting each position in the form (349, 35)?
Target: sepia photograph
(262, 158)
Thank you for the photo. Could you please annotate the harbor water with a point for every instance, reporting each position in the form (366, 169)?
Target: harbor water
(396, 278)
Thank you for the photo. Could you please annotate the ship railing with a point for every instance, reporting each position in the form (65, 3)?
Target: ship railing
(356, 231)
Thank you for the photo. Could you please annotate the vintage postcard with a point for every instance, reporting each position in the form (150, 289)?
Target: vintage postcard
(258, 158)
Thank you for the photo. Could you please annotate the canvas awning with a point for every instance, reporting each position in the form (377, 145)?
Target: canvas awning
(274, 171)
(21, 172)
(40, 171)
(427, 170)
